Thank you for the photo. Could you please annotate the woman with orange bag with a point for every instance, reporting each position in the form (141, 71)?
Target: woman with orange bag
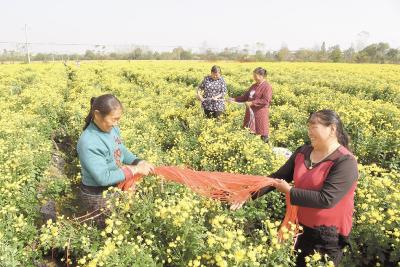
(325, 177)
(104, 159)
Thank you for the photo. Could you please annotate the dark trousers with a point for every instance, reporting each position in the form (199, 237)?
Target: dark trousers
(324, 240)
(92, 201)
(212, 114)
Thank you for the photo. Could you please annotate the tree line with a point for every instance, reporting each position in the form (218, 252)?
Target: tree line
(373, 53)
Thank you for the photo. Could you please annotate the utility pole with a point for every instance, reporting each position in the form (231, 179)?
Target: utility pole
(26, 44)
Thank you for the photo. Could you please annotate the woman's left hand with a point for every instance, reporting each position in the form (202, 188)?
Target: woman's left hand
(248, 104)
(146, 164)
(282, 186)
(237, 205)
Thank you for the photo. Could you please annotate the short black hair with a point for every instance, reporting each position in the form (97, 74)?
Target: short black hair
(215, 69)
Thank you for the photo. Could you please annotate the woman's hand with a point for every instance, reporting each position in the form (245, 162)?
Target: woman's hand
(248, 104)
(199, 97)
(143, 167)
(237, 205)
(146, 165)
(218, 97)
(282, 186)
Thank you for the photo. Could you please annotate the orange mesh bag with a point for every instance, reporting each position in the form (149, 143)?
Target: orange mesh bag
(290, 218)
(227, 187)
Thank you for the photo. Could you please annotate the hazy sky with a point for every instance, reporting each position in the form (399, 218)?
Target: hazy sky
(219, 23)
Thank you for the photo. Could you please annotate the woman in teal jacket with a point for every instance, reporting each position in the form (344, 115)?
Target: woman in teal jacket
(104, 159)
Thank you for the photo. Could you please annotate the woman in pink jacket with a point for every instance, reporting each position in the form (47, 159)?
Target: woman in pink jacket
(257, 99)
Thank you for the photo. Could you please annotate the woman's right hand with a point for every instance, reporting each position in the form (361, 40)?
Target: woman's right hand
(199, 97)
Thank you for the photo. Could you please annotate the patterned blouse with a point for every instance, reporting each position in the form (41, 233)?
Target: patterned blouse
(212, 88)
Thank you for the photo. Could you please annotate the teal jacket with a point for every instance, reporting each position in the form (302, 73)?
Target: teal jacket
(102, 156)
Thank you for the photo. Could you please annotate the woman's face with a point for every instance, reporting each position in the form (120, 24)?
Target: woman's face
(257, 77)
(321, 135)
(215, 75)
(109, 121)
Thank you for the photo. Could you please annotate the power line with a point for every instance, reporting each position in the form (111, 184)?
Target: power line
(101, 45)
(26, 44)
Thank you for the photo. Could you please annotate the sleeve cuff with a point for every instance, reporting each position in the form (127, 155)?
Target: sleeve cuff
(136, 161)
(261, 192)
(292, 194)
